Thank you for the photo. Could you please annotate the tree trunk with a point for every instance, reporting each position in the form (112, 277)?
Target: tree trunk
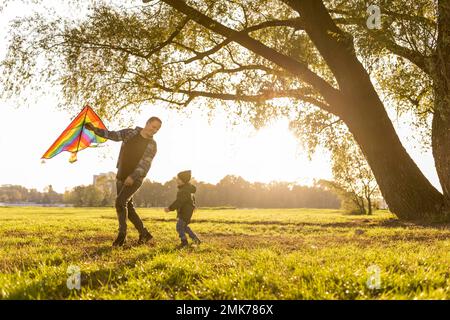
(441, 142)
(441, 117)
(360, 204)
(369, 205)
(406, 190)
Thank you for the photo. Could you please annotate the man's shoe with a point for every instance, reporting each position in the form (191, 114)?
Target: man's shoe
(196, 241)
(183, 244)
(120, 240)
(144, 237)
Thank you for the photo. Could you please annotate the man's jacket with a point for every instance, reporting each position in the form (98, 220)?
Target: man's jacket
(141, 164)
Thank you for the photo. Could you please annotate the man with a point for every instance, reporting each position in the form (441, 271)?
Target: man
(136, 154)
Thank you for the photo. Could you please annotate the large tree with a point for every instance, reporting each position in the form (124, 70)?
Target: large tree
(251, 53)
(417, 35)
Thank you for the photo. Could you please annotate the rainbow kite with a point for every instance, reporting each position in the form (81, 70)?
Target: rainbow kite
(76, 137)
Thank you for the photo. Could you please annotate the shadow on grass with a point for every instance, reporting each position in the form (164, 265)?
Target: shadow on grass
(395, 223)
(261, 223)
(368, 223)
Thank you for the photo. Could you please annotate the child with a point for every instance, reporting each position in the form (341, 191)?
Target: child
(185, 205)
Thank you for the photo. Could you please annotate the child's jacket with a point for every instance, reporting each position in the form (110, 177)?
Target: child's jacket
(185, 202)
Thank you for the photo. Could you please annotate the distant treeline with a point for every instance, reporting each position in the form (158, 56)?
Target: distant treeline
(231, 191)
(19, 194)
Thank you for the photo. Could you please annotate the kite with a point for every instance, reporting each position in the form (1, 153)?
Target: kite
(76, 137)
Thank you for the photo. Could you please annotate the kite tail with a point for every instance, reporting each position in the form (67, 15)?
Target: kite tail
(73, 157)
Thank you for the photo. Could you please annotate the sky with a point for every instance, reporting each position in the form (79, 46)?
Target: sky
(211, 150)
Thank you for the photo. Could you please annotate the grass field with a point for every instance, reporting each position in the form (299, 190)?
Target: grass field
(245, 254)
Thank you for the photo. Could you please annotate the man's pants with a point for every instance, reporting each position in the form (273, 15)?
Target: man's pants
(183, 228)
(125, 207)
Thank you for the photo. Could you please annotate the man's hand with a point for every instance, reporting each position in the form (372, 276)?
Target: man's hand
(89, 126)
(166, 210)
(128, 181)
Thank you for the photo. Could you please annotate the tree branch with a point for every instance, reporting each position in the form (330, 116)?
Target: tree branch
(295, 23)
(291, 65)
(267, 95)
(170, 39)
(382, 37)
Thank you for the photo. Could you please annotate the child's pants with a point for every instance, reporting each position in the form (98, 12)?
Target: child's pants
(183, 228)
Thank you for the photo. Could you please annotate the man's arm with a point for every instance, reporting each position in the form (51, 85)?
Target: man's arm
(120, 135)
(145, 163)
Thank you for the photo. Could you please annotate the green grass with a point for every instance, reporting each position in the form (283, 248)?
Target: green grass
(245, 254)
